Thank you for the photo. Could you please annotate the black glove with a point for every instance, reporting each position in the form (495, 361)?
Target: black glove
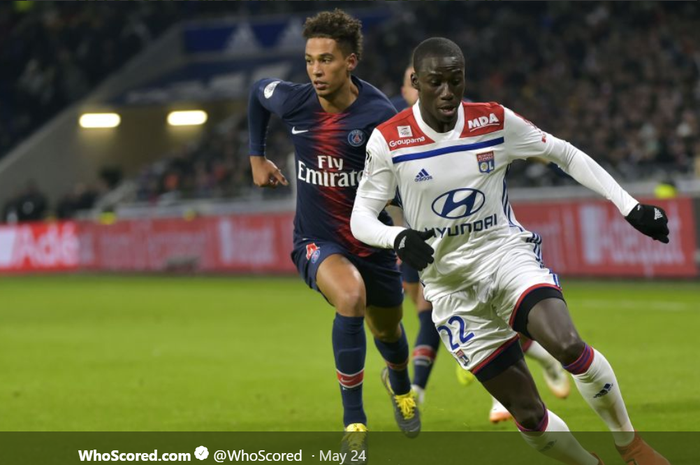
(412, 249)
(650, 220)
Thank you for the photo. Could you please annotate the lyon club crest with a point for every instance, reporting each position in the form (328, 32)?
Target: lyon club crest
(356, 138)
(486, 162)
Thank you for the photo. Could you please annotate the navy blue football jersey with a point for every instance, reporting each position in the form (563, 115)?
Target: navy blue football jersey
(329, 153)
(399, 103)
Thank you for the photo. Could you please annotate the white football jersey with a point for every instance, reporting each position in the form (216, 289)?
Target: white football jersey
(454, 183)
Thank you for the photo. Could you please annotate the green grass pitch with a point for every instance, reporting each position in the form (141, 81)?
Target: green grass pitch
(111, 353)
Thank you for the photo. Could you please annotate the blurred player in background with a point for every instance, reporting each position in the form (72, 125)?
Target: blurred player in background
(428, 339)
(488, 282)
(330, 120)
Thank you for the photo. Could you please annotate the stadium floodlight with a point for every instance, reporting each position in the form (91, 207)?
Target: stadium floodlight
(187, 118)
(99, 120)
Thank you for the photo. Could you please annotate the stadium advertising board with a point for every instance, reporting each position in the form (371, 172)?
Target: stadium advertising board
(582, 238)
(39, 247)
(245, 244)
(591, 238)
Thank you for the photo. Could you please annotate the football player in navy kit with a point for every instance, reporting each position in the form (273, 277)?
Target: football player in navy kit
(330, 119)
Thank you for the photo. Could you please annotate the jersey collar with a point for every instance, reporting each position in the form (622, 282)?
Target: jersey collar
(440, 136)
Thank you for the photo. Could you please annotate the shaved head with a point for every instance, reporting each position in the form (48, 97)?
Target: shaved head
(439, 80)
(435, 47)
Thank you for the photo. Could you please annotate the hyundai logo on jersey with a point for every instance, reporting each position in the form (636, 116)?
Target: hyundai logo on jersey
(356, 138)
(458, 203)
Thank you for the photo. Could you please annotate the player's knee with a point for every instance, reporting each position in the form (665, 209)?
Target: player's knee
(350, 303)
(387, 334)
(528, 413)
(570, 349)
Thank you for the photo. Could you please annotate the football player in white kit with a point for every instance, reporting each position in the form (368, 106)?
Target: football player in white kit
(428, 339)
(448, 160)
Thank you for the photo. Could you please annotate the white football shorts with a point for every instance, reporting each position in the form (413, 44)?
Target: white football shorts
(475, 324)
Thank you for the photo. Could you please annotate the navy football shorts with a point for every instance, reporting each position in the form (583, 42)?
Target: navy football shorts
(379, 271)
(409, 275)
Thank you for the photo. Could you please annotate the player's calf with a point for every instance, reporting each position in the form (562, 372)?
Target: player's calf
(551, 437)
(425, 349)
(349, 349)
(597, 383)
(395, 355)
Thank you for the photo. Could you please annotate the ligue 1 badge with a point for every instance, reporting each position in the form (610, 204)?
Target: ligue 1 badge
(356, 138)
(270, 89)
(486, 162)
(461, 356)
(312, 252)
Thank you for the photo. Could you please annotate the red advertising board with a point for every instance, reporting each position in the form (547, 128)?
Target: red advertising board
(246, 243)
(39, 247)
(584, 238)
(591, 238)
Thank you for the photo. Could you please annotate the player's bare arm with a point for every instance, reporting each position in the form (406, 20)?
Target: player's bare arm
(266, 173)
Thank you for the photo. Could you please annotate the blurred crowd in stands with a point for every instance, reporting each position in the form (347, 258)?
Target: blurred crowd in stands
(53, 53)
(212, 167)
(620, 81)
(31, 204)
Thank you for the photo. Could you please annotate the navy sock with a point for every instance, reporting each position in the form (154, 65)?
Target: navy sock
(349, 349)
(396, 357)
(425, 350)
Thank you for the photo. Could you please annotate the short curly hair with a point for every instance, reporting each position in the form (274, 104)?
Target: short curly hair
(339, 26)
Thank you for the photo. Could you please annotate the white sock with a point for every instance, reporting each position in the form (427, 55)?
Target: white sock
(598, 386)
(420, 394)
(537, 352)
(557, 442)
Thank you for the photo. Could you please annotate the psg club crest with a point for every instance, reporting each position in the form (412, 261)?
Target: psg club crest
(486, 162)
(356, 138)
